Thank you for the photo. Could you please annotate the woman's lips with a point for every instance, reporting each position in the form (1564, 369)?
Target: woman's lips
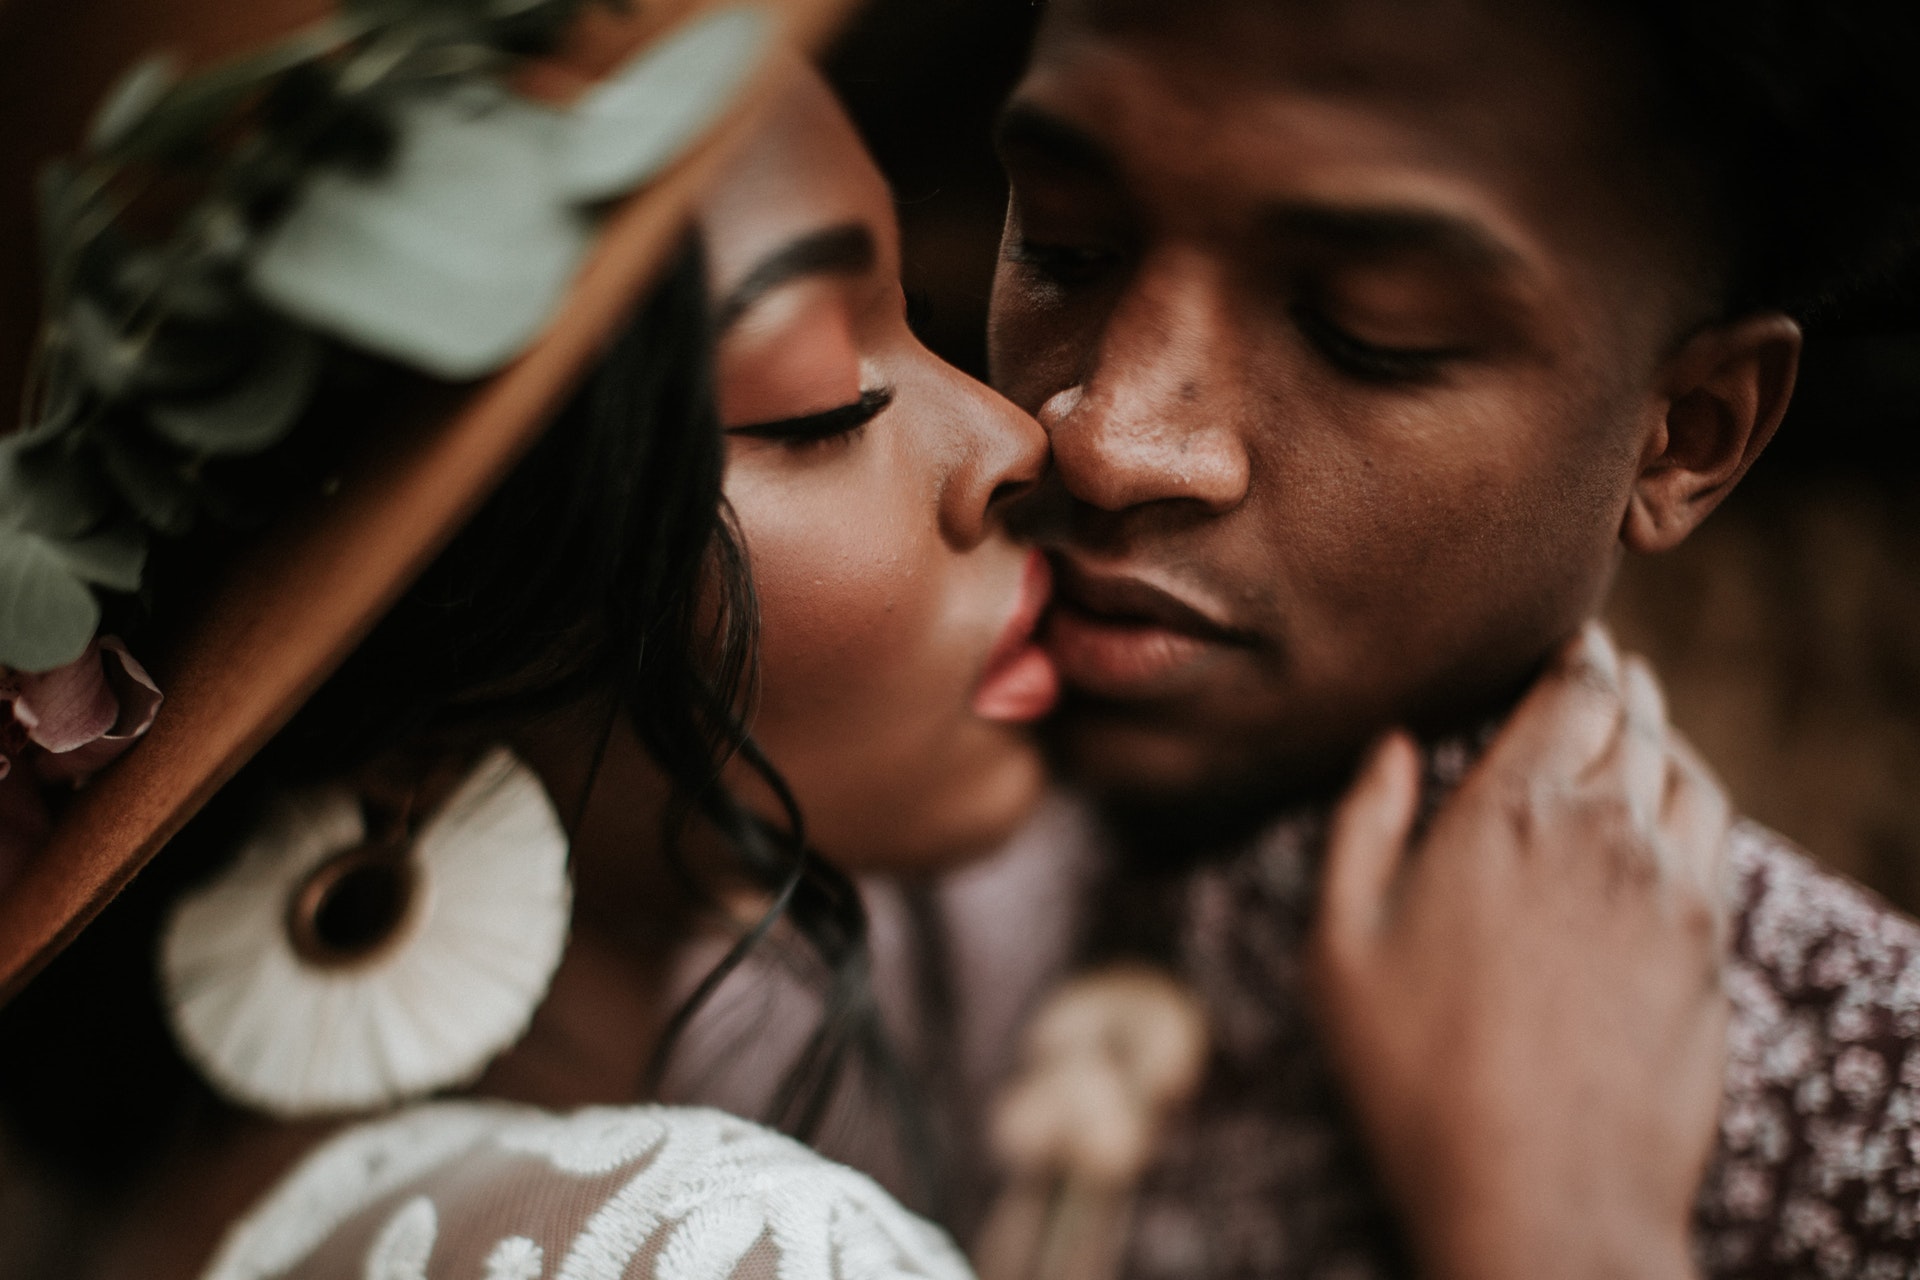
(1020, 683)
(1118, 636)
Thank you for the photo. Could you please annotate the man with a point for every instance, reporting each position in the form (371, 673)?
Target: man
(1368, 335)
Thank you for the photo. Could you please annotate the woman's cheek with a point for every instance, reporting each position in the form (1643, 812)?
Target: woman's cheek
(870, 642)
(841, 608)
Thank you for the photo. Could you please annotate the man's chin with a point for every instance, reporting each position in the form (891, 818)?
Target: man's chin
(1171, 792)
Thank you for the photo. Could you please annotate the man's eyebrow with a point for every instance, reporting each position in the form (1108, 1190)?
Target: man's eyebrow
(1026, 130)
(1390, 230)
(844, 250)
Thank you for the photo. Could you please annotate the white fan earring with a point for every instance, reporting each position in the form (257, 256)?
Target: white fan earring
(333, 970)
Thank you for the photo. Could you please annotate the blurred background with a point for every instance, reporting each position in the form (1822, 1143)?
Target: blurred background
(1787, 630)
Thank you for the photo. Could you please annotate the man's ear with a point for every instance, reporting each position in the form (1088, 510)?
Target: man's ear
(1725, 392)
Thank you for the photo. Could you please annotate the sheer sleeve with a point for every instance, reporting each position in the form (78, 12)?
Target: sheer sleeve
(480, 1191)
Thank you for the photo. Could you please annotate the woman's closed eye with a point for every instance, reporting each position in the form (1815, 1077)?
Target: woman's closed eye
(823, 427)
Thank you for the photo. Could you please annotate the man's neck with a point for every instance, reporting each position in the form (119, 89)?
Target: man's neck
(1167, 834)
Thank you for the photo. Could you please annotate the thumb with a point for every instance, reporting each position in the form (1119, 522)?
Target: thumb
(1367, 842)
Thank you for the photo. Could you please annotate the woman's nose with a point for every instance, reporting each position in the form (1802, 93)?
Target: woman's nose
(998, 454)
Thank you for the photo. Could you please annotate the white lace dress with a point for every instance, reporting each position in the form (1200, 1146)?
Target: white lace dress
(488, 1191)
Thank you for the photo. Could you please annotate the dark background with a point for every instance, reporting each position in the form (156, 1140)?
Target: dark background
(1787, 630)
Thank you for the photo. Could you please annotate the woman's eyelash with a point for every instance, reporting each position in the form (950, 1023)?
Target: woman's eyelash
(816, 428)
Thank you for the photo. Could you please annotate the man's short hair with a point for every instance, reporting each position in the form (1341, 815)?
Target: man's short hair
(1808, 112)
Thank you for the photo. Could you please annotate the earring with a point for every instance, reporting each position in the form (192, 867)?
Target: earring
(332, 971)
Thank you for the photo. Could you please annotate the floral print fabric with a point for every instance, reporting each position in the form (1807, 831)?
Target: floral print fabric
(1818, 1170)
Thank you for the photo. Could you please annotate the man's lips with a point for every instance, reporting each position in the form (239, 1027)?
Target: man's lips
(1020, 683)
(1117, 635)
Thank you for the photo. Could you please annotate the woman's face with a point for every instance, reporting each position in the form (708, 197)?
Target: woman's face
(867, 478)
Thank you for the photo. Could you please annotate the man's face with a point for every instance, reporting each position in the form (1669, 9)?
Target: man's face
(1344, 320)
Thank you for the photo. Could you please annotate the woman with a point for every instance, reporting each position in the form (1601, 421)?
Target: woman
(596, 619)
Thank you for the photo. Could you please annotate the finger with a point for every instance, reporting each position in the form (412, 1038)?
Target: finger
(1569, 718)
(1640, 745)
(1695, 819)
(1368, 840)
(1696, 823)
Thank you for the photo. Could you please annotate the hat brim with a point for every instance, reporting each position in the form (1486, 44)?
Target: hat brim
(291, 607)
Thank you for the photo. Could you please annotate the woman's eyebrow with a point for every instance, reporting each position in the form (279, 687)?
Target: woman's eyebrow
(844, 250)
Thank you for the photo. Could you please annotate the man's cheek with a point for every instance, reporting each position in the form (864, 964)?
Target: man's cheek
(1010, 322)
(1038, 343)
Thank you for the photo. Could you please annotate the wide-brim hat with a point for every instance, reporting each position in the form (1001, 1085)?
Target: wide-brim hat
(296, 599)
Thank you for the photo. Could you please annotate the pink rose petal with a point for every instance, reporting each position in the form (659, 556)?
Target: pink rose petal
(140, 697)
(62, 726)
(69, 706)
(136, 699)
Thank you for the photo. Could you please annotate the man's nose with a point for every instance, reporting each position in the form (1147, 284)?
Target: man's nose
(1157, 416)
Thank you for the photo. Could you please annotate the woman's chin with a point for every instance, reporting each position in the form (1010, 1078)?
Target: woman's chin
(946, 822)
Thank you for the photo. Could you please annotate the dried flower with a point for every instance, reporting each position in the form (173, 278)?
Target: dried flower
(62, 727)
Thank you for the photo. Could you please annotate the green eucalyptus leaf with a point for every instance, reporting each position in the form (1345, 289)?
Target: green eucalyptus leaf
(184, 121)
(49, 488)
(382, 12)
(61, 395)
(509, 10)
(636, 122)
(112, 557)
(195, 288)
(257, 410)
(150, 482)
(47, 613)
(131, 101)
(221, 233)
(450, 260)
(108, 360)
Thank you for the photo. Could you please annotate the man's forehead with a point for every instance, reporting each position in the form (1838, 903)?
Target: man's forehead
(1528, 106)
(1409, 48)
(1166, 125)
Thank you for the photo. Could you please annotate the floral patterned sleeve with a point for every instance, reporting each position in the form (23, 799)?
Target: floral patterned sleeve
(1818, 1172)
(1818, 1169)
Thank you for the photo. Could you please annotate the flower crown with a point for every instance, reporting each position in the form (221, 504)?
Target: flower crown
(369, 181)
(369, 184)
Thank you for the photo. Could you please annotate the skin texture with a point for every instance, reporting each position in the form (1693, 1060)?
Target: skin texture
(884, 575)
(1366, 335)
(1544, 1099)
(885, 585)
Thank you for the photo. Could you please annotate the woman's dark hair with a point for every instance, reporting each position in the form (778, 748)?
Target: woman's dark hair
(1806, 114)
(604, 569)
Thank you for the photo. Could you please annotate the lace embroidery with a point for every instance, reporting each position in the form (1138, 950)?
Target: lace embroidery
(401, 1250)
(516, 1258)
(638, 1193)
(586, 1142)
(338, 1180)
